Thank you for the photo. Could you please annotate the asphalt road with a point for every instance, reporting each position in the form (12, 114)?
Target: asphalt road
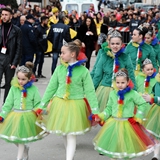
(51, 147)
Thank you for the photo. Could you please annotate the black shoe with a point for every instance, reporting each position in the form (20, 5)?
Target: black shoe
(3, 87)
(41, 76)
(36, 80)
(101, 154)
(154, 158)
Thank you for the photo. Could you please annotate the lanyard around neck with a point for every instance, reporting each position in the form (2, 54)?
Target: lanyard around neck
(5, 41)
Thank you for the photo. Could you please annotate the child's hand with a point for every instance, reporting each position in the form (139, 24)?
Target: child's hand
(147, 97)
(97, 119)
(39, 112)
(1, 119)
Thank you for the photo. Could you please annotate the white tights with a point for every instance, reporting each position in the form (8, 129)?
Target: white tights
(70, 145)
(157, 151)
(20, 150)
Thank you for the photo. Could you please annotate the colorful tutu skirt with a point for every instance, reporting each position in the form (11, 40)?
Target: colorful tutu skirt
(20, 127)
(66, 117)
(152, 123)
(102, 93)
(118, 138)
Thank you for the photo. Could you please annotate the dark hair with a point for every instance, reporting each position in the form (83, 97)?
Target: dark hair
(7, 9)
(43, 18)
(92, 26)
(142, 31)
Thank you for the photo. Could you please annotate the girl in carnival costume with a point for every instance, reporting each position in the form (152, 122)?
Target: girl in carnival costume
(122, 135)
(18, 116)
(145, 80)
(73, 93)
(152, 123)
(104, 49)
(138, 50)
(151, 39)
(109, 63)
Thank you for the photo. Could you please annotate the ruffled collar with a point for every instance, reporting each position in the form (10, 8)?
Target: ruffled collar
(155, 41)
(121, 94)
(105, 47)
(23, 89)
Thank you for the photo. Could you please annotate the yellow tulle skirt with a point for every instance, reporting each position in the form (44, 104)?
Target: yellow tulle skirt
(118, 138)
(20, 127)
(66, 117)
(102, 93)
(152, 122)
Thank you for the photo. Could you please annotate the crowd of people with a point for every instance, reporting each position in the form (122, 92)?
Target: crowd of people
(121, 93)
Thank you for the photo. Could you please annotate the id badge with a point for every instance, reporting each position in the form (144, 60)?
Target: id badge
(4, 50)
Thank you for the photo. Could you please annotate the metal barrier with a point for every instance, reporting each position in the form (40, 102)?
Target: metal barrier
(125, 33)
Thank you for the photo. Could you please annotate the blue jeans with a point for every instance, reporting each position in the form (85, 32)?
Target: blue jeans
(54, 61)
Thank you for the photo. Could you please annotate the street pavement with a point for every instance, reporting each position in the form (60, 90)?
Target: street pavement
(51, 147)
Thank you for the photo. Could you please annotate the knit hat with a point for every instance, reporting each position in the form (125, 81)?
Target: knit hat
(55, 9)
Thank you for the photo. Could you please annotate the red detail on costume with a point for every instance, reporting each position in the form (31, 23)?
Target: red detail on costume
(24, 94)
(146, 84)
(140, 54)
(116, 69)
(88, 106)
(39, 111)
(1, 119)
(154, 70)
(132, 120)
(131, 84)
(68, 80)
(152, 101)
(120, 101)
(33, 78)
(101, 123)
(142, 133)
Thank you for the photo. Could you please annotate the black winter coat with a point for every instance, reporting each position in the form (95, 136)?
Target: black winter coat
(14, 44)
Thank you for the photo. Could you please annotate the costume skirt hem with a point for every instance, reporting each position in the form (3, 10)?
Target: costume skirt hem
(24, 140)
(42, 125)
(124, 154)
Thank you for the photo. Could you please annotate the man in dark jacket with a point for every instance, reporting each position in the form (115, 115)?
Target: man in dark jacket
(10, 48)
(56, 35)
(134, 23)
(29, 42)
(41, 36)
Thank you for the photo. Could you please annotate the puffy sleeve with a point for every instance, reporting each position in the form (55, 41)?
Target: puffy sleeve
(50, 90)
(90, 92)
(141, 105)
(8, 105)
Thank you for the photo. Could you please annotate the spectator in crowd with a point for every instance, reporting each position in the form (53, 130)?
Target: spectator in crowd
(87, 33)
(134, 23)
(15, 18)
(29, 42)
(53, 19)
(10, 48)
(22, 20)
(143, 18)
(113, 21)
(56, 35)
(41, 36)
(156, 19)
